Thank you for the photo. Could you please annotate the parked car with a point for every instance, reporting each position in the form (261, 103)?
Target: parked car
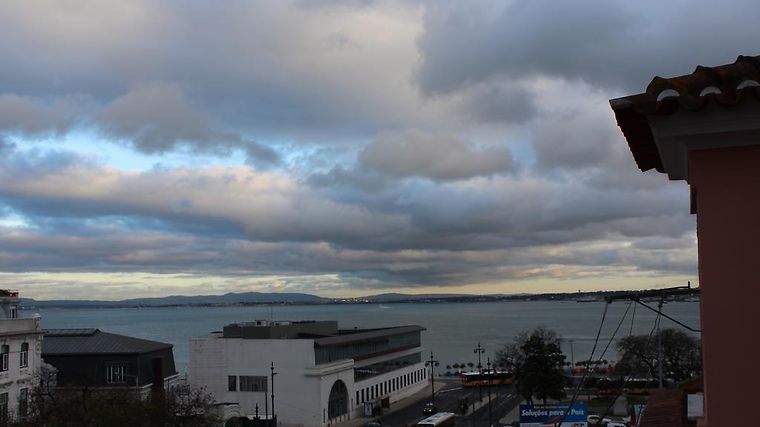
(593, 420)
(429, 409)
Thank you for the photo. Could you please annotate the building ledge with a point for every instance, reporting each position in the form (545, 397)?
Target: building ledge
(329, 368)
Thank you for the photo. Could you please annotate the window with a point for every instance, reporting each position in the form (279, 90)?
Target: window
(232, 383)
(23, 401)
(23, 357)
(14, 312)
(116, 373)
(5, 351)
(248, 383)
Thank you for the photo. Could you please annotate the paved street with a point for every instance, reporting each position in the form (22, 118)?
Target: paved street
(448, 398)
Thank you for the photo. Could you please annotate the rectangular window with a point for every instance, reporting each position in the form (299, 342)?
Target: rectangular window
(250, 383)
(116, 373)
(364, 390)
(14, 312)
(5, 351)
(23, 401)
(357, 397)
(232, 383)
(23, 357)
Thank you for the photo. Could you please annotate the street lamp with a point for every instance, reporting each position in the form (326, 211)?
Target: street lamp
(480, 350)
(572, 356)
(432, 363)
(271, 369)
(490, 422)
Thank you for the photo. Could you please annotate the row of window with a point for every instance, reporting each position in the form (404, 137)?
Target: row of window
(380, 368)
(369, 394)
(247, 383)
(23, 405)
(5, 353)
(331, 353)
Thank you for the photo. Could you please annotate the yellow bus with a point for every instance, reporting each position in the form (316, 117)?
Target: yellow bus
(474, 379)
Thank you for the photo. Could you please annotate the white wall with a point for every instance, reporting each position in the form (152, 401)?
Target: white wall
(14, 332)
(212, 360)
(394, 394)
(302, 389)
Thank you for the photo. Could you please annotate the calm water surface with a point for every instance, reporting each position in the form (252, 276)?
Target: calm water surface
(453, 329)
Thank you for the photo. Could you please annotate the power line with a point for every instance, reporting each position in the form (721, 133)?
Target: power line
(628, 377)
(588, 363)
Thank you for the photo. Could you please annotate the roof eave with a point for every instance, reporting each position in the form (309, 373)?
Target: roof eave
(638, 134)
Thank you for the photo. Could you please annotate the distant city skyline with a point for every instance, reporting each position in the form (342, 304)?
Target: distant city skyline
(341, 148)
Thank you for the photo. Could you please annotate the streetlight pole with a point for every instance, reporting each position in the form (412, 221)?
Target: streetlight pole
(480, 350)
(271, 369)
(572, 356)
(490, 420)
(432, 363)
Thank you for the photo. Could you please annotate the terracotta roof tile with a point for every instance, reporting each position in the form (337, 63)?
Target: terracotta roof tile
(726, 85)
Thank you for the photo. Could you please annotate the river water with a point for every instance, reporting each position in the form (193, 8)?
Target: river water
(453, 329)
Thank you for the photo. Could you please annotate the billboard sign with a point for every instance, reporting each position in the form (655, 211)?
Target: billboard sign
(551, 414)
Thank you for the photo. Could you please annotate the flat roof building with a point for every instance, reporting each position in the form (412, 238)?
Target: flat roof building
(323, 375)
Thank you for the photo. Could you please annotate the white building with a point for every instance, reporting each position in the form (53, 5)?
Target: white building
(323, 375)
(20, 349)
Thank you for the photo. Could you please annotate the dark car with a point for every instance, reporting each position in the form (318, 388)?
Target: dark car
(429, 409)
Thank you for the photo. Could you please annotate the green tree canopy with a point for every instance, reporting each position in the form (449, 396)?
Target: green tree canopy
(537, 361)
(681, 355)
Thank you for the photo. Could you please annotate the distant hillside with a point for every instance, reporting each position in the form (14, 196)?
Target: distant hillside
(410, 297)
(228, 298)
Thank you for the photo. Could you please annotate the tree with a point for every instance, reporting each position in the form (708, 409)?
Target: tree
(537, 361)
(681, 355)
(183, 406)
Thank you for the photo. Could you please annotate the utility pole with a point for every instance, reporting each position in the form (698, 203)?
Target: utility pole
(432, 363)
(480, 350)
(273, 374)
(659, 346)
(572, 356)
(490, 420)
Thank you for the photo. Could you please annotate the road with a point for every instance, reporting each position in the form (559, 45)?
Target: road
(448, 398)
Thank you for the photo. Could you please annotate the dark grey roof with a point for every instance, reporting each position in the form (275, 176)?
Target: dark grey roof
(94, 341)
(366, 334)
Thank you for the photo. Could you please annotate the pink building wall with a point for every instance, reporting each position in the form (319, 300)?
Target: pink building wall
(727, 183)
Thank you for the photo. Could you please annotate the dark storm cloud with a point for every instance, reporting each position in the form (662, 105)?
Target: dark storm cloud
(408, 143)
(500, 103)
(435, 156)
(151, 78)
(157, 117)
(607, 43)
(93, 218)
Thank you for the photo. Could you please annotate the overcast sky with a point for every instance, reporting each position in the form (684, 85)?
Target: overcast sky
(341, 148)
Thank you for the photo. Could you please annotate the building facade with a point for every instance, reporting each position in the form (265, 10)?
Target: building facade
(97, 359)
(323, 375)
(20, 344)
(704, 128)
